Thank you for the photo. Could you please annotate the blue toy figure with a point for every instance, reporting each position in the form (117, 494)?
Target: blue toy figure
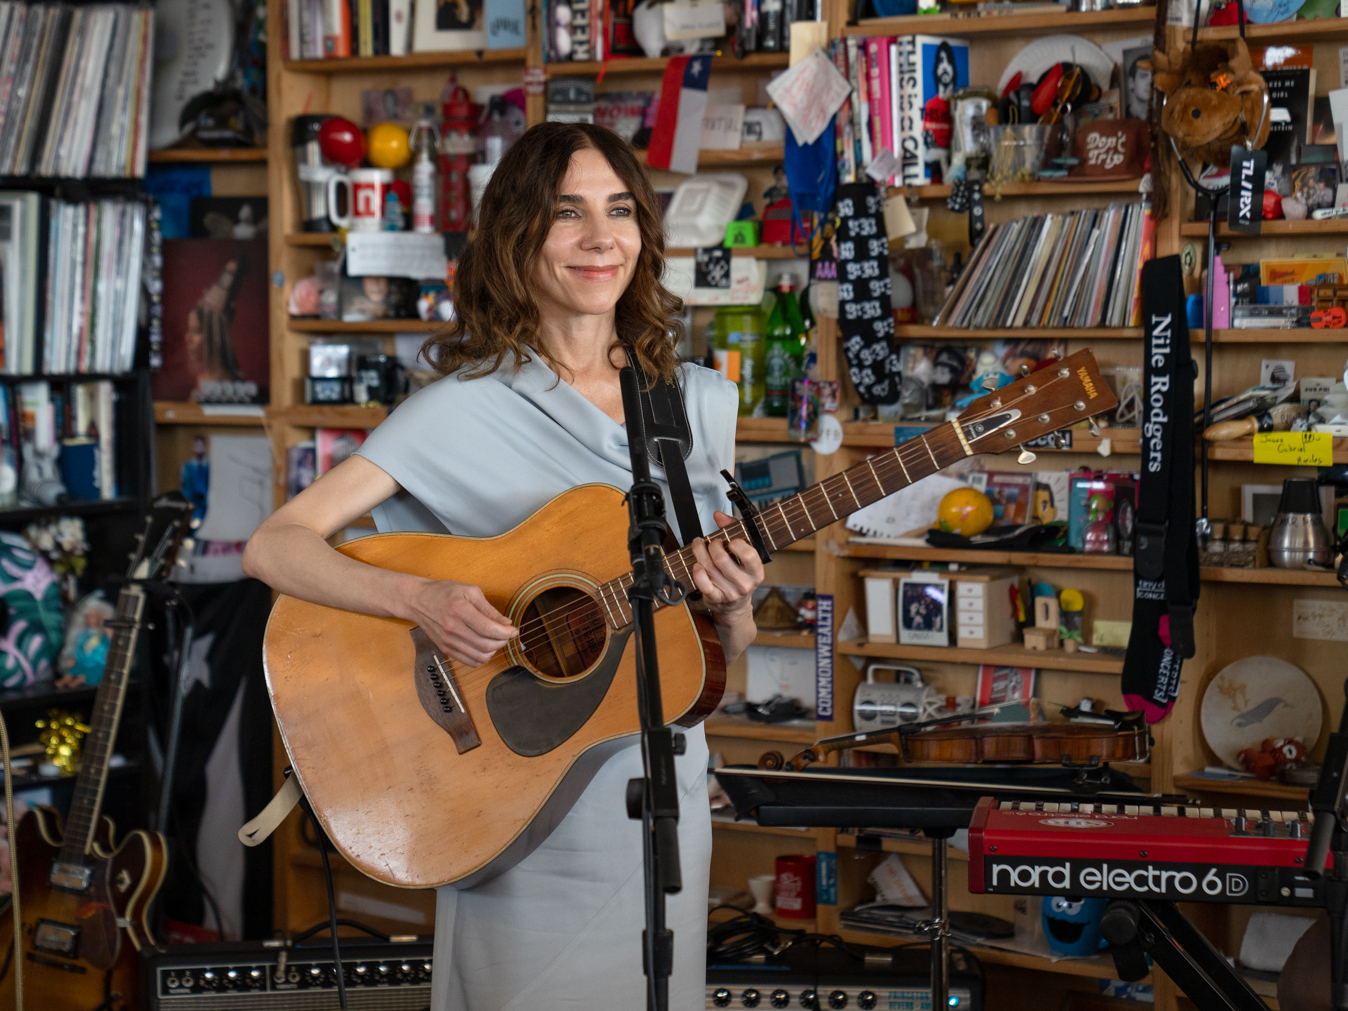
(1072, 926)
(196, 478)
(86, 646)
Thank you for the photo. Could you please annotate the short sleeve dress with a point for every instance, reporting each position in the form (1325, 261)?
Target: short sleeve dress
(561, 929)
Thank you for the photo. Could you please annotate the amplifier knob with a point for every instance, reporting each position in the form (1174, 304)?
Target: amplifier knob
(750, 997)
(208, 976)
(837, 999)
(315, 971)
(866, 1000)
(383, 969)
(779, 998)
(232, 975)
(405, 967)
(721, 997)
(361, 970)
(809, 1000)
(254, 973)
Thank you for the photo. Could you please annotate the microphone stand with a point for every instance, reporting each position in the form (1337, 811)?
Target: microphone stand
(1330, 840)
(654, 799)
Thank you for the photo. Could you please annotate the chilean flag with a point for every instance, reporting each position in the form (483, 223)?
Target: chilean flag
(677, 133)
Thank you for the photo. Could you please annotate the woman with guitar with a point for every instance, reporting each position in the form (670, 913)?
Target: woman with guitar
(560, 285)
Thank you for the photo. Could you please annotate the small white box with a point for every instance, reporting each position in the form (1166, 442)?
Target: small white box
(880, 604)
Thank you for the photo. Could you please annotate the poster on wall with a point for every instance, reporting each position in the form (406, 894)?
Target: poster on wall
(215, 322)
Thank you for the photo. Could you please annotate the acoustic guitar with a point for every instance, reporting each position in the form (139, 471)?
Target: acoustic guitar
(424, 771)
(83, 899)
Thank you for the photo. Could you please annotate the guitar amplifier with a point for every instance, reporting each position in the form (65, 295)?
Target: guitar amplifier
(268, 976)
(827, 977)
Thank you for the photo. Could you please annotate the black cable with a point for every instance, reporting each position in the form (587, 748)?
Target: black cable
(332, 908)
(9, 958)
(327, 925)
(747, 935)
(186, 858)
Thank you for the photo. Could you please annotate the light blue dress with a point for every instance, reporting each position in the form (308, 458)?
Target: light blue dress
(562, 929)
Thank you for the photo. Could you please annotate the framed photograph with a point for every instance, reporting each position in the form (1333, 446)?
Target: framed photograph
(369, 298)
(924, 611)
(1000, 685)
(443, 26)
(386, 105)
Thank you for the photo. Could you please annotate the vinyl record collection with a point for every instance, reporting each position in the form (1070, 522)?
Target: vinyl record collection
(1078, 269)
(71, 284)
(52, 59)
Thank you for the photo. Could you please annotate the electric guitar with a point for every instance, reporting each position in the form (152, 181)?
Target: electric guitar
(82, 898)
(424, 771)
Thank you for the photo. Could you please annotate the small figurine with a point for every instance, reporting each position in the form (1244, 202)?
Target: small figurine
(196, 478)
(1071, 605)
(1272, 755)
(1099, 538)
(807, 612)
(86, 649)
(1044, 634)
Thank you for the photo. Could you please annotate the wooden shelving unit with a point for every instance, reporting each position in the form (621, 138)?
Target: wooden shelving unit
(1048, 560)
(1037, 189)
(749, 154)
(1295, 336)
(412, 61)
(208, 155)
(168, 412)
(1012, 655)
(797, 640)
(1042, 23)
(1296, 796)
(646, 65)
(372, 326)
(1269, 229)
(1316, 30)
(918, 332)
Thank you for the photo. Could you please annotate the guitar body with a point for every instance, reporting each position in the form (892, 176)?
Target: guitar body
(409, 790)
(123, 882)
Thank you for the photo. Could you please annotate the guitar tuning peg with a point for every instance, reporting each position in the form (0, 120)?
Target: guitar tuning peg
(1024, 370)
(1056, 355)
(1025, 456)
(181, 563)
(189, 543)
(990, 382)
(195, 523)
(1058, 441)
(1095, 428)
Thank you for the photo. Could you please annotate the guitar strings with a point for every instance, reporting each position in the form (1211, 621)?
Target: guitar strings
(564, 614)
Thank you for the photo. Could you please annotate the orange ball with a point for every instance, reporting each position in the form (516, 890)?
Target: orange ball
(389, 148)
(965, 511)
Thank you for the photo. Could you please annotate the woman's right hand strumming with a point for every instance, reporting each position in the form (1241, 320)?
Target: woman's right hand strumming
(290, 553)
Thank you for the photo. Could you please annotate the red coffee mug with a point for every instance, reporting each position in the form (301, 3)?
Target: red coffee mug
(795, 887)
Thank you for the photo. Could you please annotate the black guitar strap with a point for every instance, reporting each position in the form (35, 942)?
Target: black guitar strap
(669, 441)
(1165, 560)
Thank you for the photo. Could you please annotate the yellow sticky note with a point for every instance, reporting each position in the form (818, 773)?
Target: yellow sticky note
(1305, 449)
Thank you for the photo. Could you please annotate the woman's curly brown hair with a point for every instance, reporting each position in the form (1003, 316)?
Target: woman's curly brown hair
(495, 312)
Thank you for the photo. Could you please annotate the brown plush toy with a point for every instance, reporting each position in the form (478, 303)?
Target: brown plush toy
(1213, 99)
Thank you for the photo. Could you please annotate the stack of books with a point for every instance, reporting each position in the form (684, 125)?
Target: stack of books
(1078, 269)
(74, 89)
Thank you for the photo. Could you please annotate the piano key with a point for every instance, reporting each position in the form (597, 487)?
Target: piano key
(1291, 815)
(1131, 809)
(1275, 816)
(1230, 813)
(1007, 805)
(1206, 812)
(1086, 808)
(1170, 812)
(1050, 807)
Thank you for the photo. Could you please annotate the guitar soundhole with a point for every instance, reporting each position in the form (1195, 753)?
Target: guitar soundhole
(563, 632)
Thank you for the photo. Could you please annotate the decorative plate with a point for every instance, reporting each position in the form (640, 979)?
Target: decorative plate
(1258, 697)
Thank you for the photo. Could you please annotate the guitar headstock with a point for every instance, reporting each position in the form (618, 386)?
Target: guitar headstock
(165, 525)
(1066, 392)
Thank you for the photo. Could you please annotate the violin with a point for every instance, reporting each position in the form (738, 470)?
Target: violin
(1103, 737)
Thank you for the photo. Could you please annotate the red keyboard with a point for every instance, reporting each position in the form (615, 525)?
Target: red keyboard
(1126, 851)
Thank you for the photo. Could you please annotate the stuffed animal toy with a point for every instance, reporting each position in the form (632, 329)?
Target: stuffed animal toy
(1272, 755)
(1214, 98)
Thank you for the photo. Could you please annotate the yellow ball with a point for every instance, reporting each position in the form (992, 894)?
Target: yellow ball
(388, 147)
(965, 511)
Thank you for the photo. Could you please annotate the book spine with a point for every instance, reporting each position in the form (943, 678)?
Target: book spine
(107, 444)
(336, 29)
(1146, 251)
(847, 169)
(880, 101)
(876, 107)
(400, 26)
(770, 25)
(855, 77)
(293, 29)
(364, 28)
(580, 30)
(910, 124)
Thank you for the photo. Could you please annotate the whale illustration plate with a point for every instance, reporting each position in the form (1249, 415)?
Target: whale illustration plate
(1255, 698)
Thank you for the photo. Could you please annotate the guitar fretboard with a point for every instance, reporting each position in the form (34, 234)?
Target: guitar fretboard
(798, 516)
(97, 746)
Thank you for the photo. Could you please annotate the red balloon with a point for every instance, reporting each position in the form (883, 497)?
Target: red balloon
(1272, 205)
(342, 141)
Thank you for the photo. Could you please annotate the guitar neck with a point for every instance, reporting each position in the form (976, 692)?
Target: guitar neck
(798, 516)
(97, 747)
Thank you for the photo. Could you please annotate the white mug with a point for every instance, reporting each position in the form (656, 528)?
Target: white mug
(367, 188)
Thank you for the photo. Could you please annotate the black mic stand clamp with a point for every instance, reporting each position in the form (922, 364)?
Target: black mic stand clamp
(654, 799)
(1329, 840)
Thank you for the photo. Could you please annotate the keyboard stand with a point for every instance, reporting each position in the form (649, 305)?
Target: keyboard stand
(1157, 928)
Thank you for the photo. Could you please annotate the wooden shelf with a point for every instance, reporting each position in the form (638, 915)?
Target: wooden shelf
(759, 252)
(1046, 188)
(749, 154)
(916, 331)
(412, 61)
(1270, 229)
(209, 154)
(754, 829)
(1300, 335)
(807, 544)
(908, 847)
(322, 239)
(1244, 788)
(188, 412)
(1242, 450)
(645, 65)
(738, 726)
(1099, 967)
(797, 640)
(1047, 559)
(1039, 23)
(369, 326)
(314, 416)
(1011, 655)
(1317, 30)
(1268, 577)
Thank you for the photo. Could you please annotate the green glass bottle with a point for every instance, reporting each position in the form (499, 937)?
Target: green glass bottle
(741, 352)
(785, 349)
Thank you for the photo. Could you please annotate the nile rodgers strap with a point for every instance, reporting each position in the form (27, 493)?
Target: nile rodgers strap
(670, 440)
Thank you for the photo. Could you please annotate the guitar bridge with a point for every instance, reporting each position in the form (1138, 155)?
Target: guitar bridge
(70, 877)
(438, 690)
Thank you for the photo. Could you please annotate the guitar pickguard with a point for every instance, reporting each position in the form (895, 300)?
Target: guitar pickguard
(534, 716)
